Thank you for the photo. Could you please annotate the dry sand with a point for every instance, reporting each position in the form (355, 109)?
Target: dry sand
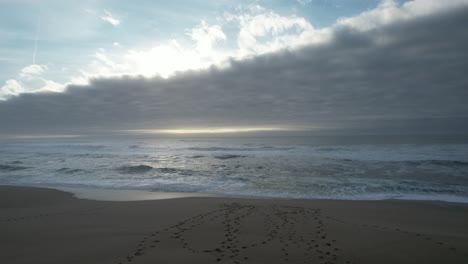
(48, 226)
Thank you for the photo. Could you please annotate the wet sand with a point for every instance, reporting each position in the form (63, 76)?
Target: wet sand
(49, 226)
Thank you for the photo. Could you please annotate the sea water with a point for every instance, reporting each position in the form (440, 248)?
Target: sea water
(327, 167)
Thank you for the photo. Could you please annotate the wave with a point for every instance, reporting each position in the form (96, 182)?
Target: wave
(181, 172)
(439, 162)
(232, 180)
(332, 148)
(228, 156)
(260, 148)
(94, 156)
(168, 170)
(196, 156)
(136, 169)
(276, 148)
(69, 170)
(12, 168)
(133, 169)
(221, 149)
(447, 163)
(82, 146)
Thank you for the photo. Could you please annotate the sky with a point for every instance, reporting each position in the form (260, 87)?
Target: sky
(221, 66)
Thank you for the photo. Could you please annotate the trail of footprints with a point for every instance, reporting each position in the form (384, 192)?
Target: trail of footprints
(300, 233)
(281, 224)
(402, 231)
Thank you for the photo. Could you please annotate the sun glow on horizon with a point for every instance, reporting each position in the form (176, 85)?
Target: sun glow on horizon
(218, 130)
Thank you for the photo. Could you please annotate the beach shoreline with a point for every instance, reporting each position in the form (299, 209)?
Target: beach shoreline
(127, 195)
(41, 225)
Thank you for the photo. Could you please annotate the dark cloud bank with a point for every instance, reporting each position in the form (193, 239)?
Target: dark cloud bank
(406, 77)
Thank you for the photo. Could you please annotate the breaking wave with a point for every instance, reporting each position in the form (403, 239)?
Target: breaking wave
(228, 156)
(196, 156)
(132, 169)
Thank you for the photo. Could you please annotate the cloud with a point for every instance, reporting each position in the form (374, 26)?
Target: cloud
(29, 80)
(109, 18)
(33, 70)
(248, 31)
(390, 11)
(206, 36)
(404, 76)
(263, 31)
(164, 59)
(11, 88)
(282, 32)
(260, 31)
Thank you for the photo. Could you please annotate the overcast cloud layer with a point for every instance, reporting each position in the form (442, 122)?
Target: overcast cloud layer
(409, 74)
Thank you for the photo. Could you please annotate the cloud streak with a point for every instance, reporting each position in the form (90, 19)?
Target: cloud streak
(36, 38)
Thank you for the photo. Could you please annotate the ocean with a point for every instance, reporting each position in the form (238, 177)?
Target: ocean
(325, 167)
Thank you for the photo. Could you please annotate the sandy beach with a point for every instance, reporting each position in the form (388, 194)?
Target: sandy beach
(48, 226)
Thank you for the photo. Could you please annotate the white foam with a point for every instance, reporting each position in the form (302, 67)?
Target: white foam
(126, 195)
